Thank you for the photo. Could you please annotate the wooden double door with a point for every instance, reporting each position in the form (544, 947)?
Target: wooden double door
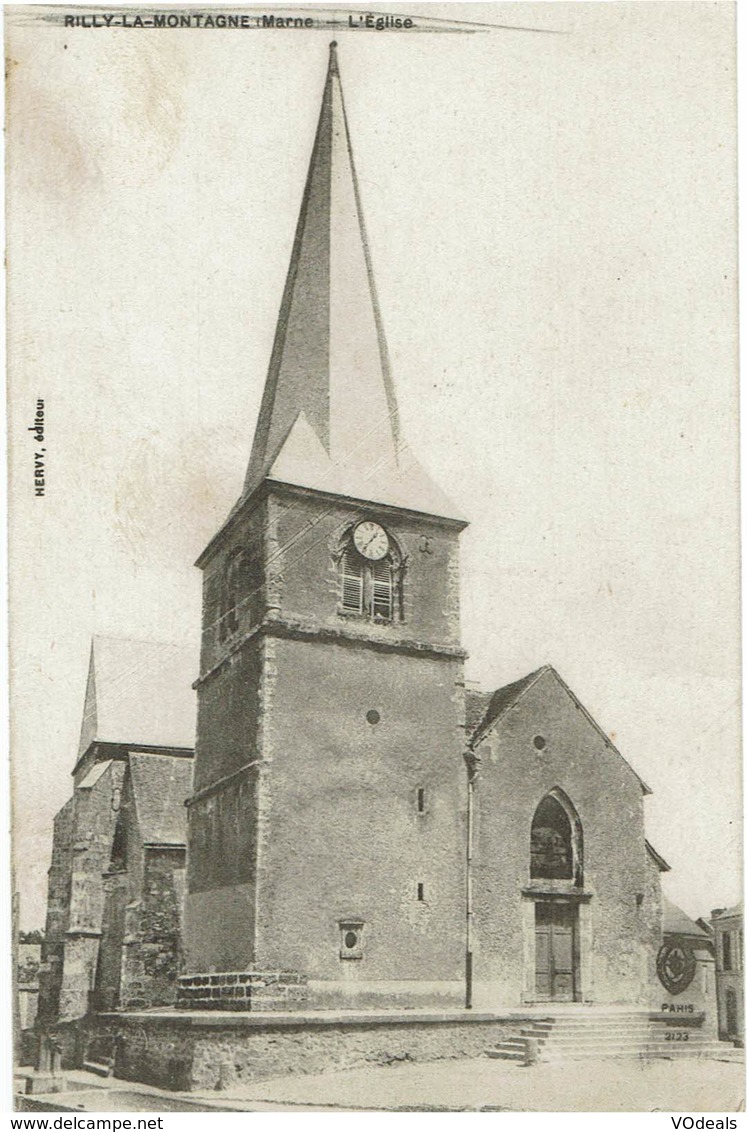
(556, 950)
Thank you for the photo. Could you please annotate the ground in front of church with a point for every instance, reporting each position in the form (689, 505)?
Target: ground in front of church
(690, 1085)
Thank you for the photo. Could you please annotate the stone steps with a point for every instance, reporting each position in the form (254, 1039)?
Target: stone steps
(650, 1037)
(585, 1031)
(645, 1053)
(608, 1035)
(512, 1050)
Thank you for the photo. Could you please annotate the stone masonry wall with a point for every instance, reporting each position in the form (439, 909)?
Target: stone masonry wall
(188, 1054)
(152, 932)
(95, 819)
(545, 742)
(58, 907)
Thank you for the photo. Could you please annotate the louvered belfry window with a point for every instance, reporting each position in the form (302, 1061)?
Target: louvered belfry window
(381, 590)
(367, 588)
(351, 576)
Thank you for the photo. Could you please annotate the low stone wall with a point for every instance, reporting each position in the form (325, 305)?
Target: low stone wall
(200, 1051)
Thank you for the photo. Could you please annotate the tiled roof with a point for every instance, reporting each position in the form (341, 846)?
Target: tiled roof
(139, 693)
(161, 784)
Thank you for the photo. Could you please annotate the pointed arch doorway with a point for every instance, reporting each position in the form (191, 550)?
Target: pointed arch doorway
(556, 892)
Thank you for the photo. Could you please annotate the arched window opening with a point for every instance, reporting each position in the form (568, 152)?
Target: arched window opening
(242, 597)
(370, 588)
(555, 852)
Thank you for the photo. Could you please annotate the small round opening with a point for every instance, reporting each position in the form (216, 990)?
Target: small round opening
(539, 742)
(351, 940)
(373, 716)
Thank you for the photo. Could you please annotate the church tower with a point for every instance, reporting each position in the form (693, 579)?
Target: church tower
(327, 824)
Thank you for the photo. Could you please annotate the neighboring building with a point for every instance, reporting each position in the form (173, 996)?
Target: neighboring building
(729, 947)
(686, 967)
(333, 817)
(120, 837)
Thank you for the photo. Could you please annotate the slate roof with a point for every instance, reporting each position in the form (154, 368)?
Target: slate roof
(160, 785)
(329, 418)
(677, 922)
(140, 693)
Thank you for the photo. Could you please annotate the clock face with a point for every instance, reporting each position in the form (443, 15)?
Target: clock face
(371, 540)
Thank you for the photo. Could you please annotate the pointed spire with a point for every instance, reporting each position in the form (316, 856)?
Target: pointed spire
(329, 417)
(333, 67)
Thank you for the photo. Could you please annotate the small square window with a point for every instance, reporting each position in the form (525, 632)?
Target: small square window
(351, 939)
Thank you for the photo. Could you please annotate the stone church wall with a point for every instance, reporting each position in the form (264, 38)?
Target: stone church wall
(109, 972)
(152, 932)
(58, 907)
(308, 587)
(343, 839)
(94, 822)
(221, 626)
(226, 722)
(619, 914)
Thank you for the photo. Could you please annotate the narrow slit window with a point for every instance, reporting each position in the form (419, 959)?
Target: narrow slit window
(421, 800)
(351, 573)
(421, 891)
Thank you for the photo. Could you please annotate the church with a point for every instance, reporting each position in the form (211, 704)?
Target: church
(363, 826)
(359, 828)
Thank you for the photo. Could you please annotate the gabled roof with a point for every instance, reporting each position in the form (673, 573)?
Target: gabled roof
(507, 697)
(329, 419)
(677, 922)
(160, 786)
(139, 693)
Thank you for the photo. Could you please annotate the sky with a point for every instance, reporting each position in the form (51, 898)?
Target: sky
(552, 220)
